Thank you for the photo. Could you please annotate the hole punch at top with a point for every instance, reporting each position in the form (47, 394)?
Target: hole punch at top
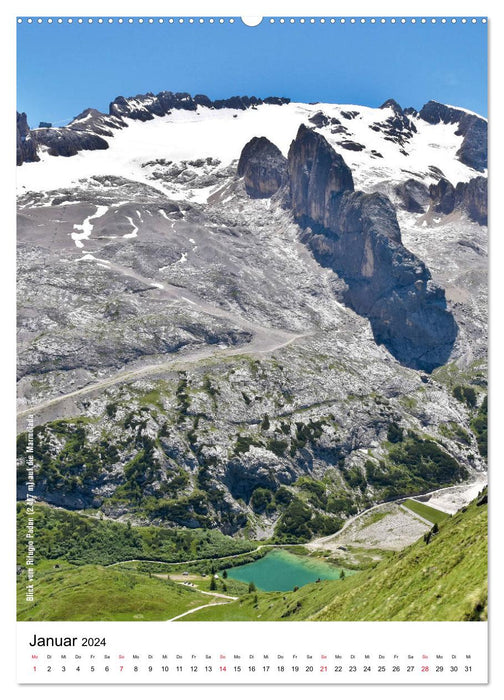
(252, 21)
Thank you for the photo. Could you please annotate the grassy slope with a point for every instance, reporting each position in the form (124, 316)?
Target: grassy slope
(443, 580)
(297, 605)
(433, 515)
(96, 593)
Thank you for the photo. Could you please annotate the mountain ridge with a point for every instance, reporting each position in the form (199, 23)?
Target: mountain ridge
(77, 136)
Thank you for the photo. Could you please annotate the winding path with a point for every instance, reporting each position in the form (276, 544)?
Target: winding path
(313, 544)
(228, 599)
(197, 561)
(320, 541)
(265, 340)
(200, 607)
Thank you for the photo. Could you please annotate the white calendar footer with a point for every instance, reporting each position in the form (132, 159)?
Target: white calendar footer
(252, 652)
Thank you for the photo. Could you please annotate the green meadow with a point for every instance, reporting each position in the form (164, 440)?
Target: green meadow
(433, 515)
(442, 577)
(93, 592)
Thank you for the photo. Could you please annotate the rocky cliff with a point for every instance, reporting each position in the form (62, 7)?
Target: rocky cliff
(84, 133)
(470, 197)
(358, 236)
(414, 196)
(318, 177)
(26, 147)
(146, 107)
(263, 167)
(474, 129)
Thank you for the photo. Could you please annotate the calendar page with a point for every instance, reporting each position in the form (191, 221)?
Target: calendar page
(252, 349)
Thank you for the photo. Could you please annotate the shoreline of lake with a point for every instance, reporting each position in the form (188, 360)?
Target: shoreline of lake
(279, 570)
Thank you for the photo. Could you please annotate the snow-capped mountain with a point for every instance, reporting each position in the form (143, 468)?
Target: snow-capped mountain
(380, 144)
(248, 291)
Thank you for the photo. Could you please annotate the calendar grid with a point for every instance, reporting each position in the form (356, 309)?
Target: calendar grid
(423, 653)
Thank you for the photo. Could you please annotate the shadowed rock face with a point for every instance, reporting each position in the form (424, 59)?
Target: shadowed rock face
(474, 129)
(393, 104)
(145, 107)
(68, 142)
(26, 147)
(84, 133)
(318, 177)
(443, 196)
(473, 151)
(470, 197)
(414, 196)
(434, 112)
(473, 198)
(263, 167)
(397, 128)
(358, 236)
(97, 122)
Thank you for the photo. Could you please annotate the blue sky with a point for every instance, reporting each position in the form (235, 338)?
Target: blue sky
(62, 69)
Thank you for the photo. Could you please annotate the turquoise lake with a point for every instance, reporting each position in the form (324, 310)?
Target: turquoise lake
(281, 571)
